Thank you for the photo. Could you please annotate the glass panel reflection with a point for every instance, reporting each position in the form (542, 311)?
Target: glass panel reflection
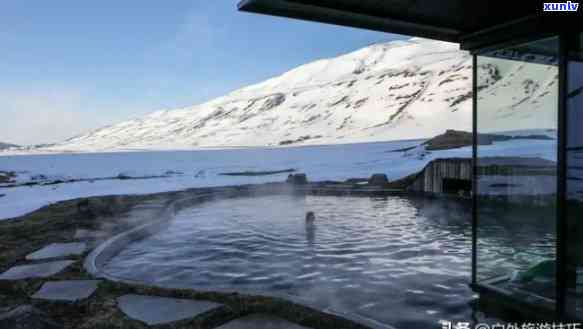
(575, 177)
(517, 168)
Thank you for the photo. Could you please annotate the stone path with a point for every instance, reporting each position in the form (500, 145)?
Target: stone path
(58, 250)
(43, 270)
(69, 291)
(260, 321)
(160, 310)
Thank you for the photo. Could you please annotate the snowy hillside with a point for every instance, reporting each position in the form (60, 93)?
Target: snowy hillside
(398, 90)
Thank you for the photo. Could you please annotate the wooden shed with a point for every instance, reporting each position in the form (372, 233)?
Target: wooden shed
(449, 175)
(518, 175)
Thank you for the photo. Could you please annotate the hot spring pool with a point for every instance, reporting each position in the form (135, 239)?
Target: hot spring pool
(398, 261)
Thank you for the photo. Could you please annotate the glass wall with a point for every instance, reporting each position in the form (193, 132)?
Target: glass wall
(574, 208)
(517, 168)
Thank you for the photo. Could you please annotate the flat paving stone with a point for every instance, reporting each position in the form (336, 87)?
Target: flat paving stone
(162, 310)
(261, 321)
(43, 270)
(58, 250)
(69, 291)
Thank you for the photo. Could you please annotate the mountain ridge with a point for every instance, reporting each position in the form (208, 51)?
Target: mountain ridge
(398, 90)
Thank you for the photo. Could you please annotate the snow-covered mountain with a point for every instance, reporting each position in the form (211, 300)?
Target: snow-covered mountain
(398, 90)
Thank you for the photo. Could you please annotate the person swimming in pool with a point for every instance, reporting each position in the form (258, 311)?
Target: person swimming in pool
(310, 227)
(310, 217)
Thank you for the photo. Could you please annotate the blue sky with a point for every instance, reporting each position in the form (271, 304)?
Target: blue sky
(69, 66)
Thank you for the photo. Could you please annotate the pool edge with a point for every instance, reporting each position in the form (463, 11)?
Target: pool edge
(112, 246)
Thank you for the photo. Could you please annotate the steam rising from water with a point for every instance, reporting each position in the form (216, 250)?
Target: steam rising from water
(363, 256)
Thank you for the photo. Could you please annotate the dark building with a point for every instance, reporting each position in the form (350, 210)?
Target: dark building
(451, 176)
(498, 33)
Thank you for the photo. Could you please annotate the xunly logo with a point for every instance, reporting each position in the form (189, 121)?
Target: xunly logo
(561, 6)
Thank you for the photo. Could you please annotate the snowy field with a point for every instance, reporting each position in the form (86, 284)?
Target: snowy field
(188, 169)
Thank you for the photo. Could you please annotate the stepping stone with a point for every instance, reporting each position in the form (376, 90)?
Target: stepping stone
(58, 250)
(161, 310)
(68, 291)
(35, 271)
(261, 321)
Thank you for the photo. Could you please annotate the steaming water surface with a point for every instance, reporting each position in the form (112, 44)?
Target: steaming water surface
(398, 261)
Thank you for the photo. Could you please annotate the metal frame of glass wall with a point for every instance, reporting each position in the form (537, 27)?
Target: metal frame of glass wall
(564, 276)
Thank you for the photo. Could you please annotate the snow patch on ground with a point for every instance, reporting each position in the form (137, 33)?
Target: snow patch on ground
(191, 169)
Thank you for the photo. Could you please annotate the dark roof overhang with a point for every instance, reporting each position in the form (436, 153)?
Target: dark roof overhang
(472, 23)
